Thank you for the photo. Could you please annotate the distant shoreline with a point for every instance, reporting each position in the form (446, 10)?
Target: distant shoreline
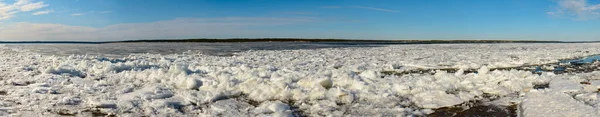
(238, 40)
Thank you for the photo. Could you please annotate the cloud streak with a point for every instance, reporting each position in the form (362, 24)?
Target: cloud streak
(375, 9)
(580, 9)
(8, 10)
(361, 7)
(298, 13)
(176, 28)
(33, 6)
(42, 12)
(77, 14)
(104, 12)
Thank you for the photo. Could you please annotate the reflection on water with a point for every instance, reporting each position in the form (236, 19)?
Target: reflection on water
(218, 49)
(589, 59)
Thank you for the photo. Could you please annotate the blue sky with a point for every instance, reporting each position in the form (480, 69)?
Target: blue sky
(107, 20)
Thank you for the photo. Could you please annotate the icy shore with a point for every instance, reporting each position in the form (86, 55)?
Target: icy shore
(312, 82)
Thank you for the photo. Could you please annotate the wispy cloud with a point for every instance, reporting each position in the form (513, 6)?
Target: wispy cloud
(42, 12)
(94, 12)
(77, 14)
(104, 12)
(176, 28)
(361, 7)
(8, 11)
(374, 8)
(6, 14)
(580, 9)
(299, 13)
(33, 6)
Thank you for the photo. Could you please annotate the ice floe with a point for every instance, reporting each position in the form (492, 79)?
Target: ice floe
(311, 82)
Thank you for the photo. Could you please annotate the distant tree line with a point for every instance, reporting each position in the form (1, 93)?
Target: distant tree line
(336, 40)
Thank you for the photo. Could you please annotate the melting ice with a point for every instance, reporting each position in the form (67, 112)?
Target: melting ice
(315, 81)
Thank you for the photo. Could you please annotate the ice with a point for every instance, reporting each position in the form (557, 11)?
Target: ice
(231, 108)
(595, 83)
(190, 83)
(554, 104)
(326, 83)
(369, 74)
(61, 70)
(483, 70)
(589, 98)
(567, 86)
(310, 82)
(436, 99)
(70, 101)
(274, 107)
(95, 104)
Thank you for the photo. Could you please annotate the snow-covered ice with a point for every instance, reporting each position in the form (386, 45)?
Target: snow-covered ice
(312, 82)
(554, 104)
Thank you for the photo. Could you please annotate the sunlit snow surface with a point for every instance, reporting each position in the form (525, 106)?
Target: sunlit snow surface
(46, 80)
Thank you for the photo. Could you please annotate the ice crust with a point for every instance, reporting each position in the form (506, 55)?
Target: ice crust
(555, 104)
(315, 82)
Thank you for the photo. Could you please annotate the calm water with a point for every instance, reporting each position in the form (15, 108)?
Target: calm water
(218, 49)
(588, 59)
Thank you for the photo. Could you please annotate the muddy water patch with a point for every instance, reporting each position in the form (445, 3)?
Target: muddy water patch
(477, 110)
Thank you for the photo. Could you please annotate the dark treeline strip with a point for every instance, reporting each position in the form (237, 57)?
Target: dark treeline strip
(336, 40)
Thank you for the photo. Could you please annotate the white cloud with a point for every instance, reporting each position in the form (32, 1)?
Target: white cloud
(41, 12)
(21, 2)
(373, 8)
(103, 12)
(8, 11)
(177, 28)
(33, 6)
(77, 14)
(298, 13)
(361, 7)
(577, 8)
(7, 15)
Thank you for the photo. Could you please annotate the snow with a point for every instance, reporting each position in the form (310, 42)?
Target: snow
(312, 82)
(436, 99)
(230, 107)
(566, 86)
(554, 104)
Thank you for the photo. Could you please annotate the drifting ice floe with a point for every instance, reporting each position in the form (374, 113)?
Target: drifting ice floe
(313, 82)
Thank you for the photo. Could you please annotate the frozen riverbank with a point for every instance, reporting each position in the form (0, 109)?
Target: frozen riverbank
(327, 81)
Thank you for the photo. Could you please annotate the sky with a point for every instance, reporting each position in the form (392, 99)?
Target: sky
(112, 20)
